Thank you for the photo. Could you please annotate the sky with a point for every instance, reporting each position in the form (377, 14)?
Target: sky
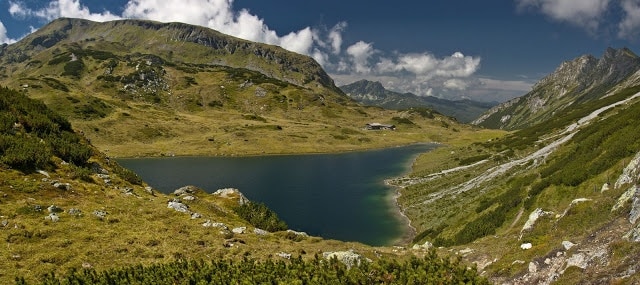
(481, 50)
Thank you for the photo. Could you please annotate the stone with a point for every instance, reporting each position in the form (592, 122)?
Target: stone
(100, 214)
(302, 234)
(44, 173)
(284, 255)
(210, 224)
(178, 206)
(184, 190)
(427, 245)
(127, 191)
(4, 223)
(37, 208)
(62, 186)
(74, 212)
(230, 193)
(526, 246)
(579, 260)
(54, 209)
(196, 215)
(533, 267)
(52, 217)
(349, 258)
(567, 245)
(260, 232)
(149, 190)
(189, 198)
(239, 230)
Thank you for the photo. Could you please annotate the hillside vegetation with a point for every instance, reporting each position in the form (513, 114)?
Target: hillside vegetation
(563, 175)
(141, 88)
(71, 215)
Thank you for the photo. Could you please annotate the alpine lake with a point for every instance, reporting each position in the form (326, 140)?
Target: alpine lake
(335, 196)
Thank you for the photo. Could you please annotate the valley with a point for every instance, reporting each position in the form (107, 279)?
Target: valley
(541, 189)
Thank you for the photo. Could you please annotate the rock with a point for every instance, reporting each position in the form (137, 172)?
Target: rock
(127, 191)
(284, 255)
(567, 245)
(579, 260)
(54, 209)
(625, 197)
(465, 251)
(37, 208)
(605, 187)
(349, 258)
(302, 234)
(62, 186)
(185, 190)
(189, 198)
(100, 214)
(260, 232)
(149, 190)
(43, 173)
(526, 246)
(239, 230)
(74, 212)
(52, 217)
(634, 214)
(210, 224)
(533, 217)
(178, 206)
(196, 215)
(87, 265)
(231, 193)
(533, 267)
(4, 223)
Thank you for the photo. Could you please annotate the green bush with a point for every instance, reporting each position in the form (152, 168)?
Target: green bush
(430, 269)
(260, 216)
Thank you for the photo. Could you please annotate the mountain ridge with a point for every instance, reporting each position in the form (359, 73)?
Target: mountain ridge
(582, 79)
(374, 94)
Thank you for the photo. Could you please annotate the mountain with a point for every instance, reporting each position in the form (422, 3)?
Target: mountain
(581, 80)
(374, 94)
(551, 203)
(144, 88)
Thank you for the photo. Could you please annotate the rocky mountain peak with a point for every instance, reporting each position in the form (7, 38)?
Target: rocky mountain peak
(579, 80)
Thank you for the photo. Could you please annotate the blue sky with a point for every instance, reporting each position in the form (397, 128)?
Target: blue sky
(484, 50)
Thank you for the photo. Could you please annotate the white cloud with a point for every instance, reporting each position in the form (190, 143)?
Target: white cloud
(335, 36)
(4, 39)
(60, 8)
(359, 54)
(456, 84)
(582, 13)
(630, 24)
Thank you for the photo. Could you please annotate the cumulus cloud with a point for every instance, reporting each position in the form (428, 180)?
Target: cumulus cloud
(359, 54)
(582, 13)
(4, 39)
(630, 24)
(335, 36)
(60, 8)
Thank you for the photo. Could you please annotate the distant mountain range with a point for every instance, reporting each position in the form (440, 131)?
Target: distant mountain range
(374, 94)
(574, 82)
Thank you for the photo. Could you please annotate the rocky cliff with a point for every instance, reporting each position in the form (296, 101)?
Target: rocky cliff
(583, 79)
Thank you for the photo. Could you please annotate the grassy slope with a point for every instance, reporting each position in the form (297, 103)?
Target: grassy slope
(130, 103)
(508, 199)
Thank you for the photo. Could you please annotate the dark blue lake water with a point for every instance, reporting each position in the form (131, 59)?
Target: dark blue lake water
(335, 196)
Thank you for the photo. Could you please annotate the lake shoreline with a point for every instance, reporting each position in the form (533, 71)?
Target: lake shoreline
(386, 225)
(275, 154)
(410, 231)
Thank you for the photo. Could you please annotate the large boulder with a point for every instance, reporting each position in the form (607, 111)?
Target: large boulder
(232, 193)
(349, 257)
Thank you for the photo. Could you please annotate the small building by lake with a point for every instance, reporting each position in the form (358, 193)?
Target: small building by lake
(378, 126)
